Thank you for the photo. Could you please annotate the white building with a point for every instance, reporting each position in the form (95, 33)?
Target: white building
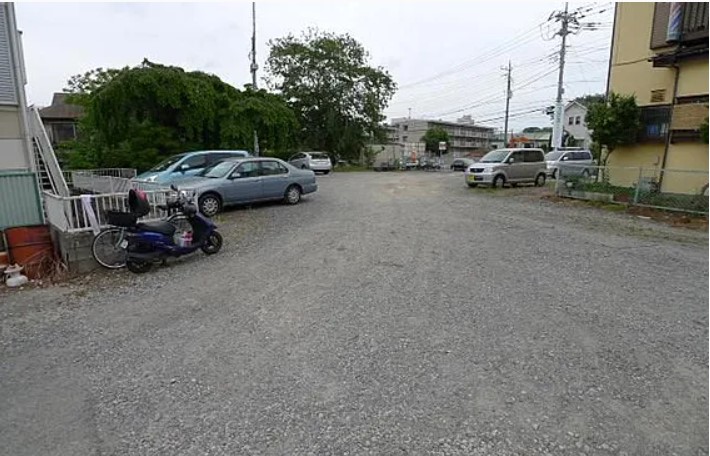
(15, 143)
(465, 138)
(575, 124)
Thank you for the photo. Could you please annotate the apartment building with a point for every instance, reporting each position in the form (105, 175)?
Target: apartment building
(465, 138)
(660, 55)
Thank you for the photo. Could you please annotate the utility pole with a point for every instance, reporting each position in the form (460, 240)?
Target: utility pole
(569, 24)
(508, 96)
(410, 113)
(253, 67)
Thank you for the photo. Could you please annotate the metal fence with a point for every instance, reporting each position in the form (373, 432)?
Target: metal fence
(109, 180)
(20, 203)
(668, 189)
(67, 213)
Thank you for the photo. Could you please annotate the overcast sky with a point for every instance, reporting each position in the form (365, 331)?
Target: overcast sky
(444, 56)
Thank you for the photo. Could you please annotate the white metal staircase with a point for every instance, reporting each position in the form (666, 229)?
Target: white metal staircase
(50, 174)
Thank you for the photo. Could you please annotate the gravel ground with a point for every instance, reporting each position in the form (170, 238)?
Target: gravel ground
(392, 313)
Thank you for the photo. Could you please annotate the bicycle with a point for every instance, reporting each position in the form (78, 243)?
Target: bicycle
(109, 246)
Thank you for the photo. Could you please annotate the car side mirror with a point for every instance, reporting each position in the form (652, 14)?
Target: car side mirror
(184, 167)
(565, 158)
(510, 160)
(235, 176)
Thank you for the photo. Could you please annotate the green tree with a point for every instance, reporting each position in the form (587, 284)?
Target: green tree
(614, 122)
(433, 137)
(143, 114)
(590, 99)
(338, 97)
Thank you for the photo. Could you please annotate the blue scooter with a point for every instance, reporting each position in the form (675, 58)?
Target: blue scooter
(148, 243)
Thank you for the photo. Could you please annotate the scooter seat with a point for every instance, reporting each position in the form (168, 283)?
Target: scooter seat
(165, 228)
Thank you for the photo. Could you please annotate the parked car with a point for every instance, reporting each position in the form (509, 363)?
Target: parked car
(409, 164)
(580, 163)
(460, 164)
(429, 163)
(508, 166)
(247, 180)
(185, 165)
(317, 161)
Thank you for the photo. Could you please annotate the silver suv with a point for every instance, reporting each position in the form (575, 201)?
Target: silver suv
(319, 162)
(508, 166)
(572, 162)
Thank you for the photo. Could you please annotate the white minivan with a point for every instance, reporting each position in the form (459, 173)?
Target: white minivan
(318, 162)
(508, 166)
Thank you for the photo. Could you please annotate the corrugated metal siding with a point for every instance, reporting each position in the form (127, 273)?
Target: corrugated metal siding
(8, 94)
(20, 202)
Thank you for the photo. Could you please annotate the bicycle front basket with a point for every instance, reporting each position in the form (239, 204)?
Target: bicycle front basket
(118, 218)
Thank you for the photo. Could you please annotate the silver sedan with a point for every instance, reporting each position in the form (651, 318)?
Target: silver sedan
(248, 180)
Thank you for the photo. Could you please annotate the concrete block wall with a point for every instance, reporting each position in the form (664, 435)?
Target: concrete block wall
(75, 251)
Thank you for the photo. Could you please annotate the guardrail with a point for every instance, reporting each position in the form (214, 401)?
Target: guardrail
(67, 214)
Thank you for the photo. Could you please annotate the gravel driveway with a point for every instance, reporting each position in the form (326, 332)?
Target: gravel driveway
(389, 313)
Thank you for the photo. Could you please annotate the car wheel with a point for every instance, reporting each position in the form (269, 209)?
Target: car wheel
(554, 174)
(540, 180)
(585, 173)
(326, 172)
(473, 185)
(293, 195)
(210, 204)
(498, 181)
(304, 167)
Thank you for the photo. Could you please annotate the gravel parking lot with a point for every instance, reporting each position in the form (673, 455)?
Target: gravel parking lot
(389, 313)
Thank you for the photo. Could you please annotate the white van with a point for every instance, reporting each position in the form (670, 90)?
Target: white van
(508, 166)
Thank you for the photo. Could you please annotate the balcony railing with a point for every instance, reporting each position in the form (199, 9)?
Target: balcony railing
(695, 21)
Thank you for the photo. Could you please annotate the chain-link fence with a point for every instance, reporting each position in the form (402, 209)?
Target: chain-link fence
(668, 189)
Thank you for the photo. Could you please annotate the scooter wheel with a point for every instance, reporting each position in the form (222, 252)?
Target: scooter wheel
(212, 244)
(138, 266)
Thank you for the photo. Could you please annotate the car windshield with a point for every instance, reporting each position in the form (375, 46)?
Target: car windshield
(552, 156)
(167, 163)
(495, 156)
(217, 170)
(318, 156)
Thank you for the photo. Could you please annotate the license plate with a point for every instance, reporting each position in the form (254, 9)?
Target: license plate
(471, 178)
(124, 244)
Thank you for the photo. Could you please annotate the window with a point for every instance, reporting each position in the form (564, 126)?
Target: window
(517, 156)
(577, 120)
(533, 156)
(570, 121)
(248, 169)
(654, 123)
(658, 96)
(194, 162)
(271, 168)
(63, 132)
(404, 138)
(406, 127)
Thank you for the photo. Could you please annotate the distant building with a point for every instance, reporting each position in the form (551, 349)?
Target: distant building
(537, 139)
(465, 138)
(61, 119)
(575, 125)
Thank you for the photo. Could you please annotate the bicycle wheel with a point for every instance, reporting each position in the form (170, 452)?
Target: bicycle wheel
(107, 248)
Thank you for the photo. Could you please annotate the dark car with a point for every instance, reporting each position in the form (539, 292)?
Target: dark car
(460, 164)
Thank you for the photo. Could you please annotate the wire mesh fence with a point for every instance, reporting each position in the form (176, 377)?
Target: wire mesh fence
(667, 189)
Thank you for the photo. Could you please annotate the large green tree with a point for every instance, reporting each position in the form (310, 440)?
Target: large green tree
(433, 137)
(140, 115)
(614, 122)
(338, 96)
